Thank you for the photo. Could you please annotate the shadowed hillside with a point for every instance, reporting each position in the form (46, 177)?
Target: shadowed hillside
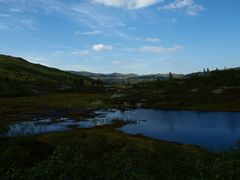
(19, 77)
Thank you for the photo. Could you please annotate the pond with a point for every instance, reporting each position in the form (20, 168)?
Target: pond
(213, 130)
(216, 131)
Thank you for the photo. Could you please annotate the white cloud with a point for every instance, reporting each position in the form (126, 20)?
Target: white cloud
(3, 27)
(81, 12)
(15, 10)
(152, 39)
(5, 15)
(130, 4)
(77, 32)
(28, 23)
(94, 17)
(147, 39)
(101, 47)
(90, 33)
(190, 6)
(80, 53)
(71, 53)
(160, 49)
(116, 62)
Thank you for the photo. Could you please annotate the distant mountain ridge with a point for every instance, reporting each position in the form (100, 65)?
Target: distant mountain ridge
(115, 78)
(90, 74)
(124, 78)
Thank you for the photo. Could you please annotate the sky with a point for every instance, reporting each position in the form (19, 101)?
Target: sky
(125, 36)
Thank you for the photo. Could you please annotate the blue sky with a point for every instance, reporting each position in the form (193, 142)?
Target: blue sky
(138, 36)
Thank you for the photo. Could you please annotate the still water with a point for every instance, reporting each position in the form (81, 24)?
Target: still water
(213, 130)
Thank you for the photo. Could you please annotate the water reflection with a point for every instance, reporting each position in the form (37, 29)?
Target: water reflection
(212, 130)
(41, 126)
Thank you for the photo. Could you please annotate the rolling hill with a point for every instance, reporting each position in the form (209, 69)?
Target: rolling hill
(19, 77)
(213, 90)
(118, 78)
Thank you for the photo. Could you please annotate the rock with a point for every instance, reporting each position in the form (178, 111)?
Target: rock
(180, 83)
(194, 90)
(217, 91)
(139, 105)
(97, 103)
(64, 88)
(117, 96)
(126, 104)
(35, 91)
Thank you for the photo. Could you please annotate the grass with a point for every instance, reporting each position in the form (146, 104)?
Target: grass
(70, 103)
(19, 77)
(209, 91)
(212, 91)
(104, 153)
(98, 153)
(101, 152)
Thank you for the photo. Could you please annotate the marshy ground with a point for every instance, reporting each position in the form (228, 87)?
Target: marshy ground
(100, 152)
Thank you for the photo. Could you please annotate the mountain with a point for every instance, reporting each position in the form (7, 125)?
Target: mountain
(101, 75)
(20, 77)
(116, 78)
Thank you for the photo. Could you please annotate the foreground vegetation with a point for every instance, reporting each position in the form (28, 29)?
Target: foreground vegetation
(103, 153)
(65, 104)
